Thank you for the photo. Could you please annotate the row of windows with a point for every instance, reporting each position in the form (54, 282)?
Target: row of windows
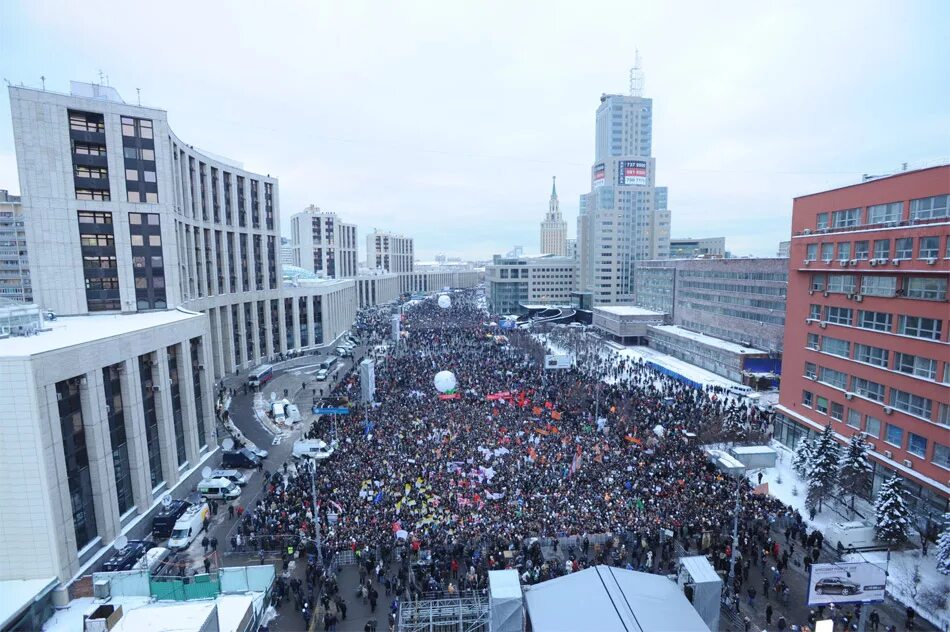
(928, 247)
(918, 366)
(928, 288)
(935, 207)
(915, 326)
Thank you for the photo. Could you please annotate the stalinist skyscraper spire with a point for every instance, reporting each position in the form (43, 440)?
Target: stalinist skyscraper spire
(554, 228)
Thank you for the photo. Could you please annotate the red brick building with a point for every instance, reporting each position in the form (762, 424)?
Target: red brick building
(867, 326)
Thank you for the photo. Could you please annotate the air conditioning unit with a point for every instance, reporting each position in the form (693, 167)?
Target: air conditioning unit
(872, 446)
(908, 463)
(858, 298)
(895, 262)
(807, 231)
(873, 262)
(813, 378)
(156, 387)
(854, 262)
(931, 261)
(808, 321)
(810, 292)
(849, 396)
(888, 410)
(823, 324)
(843, 263)
(825, 293)
(827, 262)
(101, 589)
(806, 262)
(888, 454)
(850, 296)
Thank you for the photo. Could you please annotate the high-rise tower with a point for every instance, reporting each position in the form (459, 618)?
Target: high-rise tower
(554, 228)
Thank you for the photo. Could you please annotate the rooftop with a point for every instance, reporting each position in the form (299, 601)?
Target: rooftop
(19, 593)
(871, 178)
(710, 341)
(627, 310)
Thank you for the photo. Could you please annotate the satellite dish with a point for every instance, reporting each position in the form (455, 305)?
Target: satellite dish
(206, 471)
(227, 443)
(120, 543)
(166, 501)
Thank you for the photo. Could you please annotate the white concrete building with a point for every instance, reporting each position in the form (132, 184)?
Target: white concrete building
(435, 279)
(554, 228)
(15, 281)
(375, 287)
(322, 243)
(572, 249)
(389, 252)
(286, 252)
(529, 280)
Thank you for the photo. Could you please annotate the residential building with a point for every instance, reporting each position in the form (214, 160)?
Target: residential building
(390, 252)
(554, 228)
(572, 249)
(322, 243)
(783, 248)
(687, 248)
(14, 262)
(866, 346)
(621, 220)
(514, 282)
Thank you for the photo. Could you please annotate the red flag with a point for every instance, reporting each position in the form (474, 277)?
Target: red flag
(549, 405)
(555, 415)
(536, 410)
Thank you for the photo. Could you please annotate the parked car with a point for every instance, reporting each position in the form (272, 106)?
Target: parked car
(261, 453)
(322, 375)
(312, 448)
(216, 489)
(127, 556)
(232, 475)
(239, 458)
(836, 586)
(164, 520)
(153, 560)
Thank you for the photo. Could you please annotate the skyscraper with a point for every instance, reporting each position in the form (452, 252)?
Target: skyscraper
(554, 228)
(624, 218)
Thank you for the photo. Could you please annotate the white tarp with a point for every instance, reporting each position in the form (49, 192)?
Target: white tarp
(506, 611)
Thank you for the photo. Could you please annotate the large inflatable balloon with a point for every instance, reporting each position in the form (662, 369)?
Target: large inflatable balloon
(444, 301)
(445, 381)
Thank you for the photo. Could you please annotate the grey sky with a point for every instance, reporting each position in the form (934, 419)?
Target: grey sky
(446, 120)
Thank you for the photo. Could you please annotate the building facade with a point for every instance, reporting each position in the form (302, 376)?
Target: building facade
(124, 217)
(554, 228)
(389, 252)
(866, 347)
(15, 281)
(529, 280)
(322, 243)
(286, 251)
(625, 324)
(687, 248)
(784, 247)
(376, 288)
(738, 300)
(434, 280)
(571, 249)
(624, 218)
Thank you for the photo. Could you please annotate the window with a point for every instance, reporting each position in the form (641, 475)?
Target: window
(844, 250)
(812, 342)
(154, 240)
(85, 149)
(926, 288)
(916, 445)
(841, 283)
(827, 252)
(131, 175)
(86, 122)
(910, 403)
(837, 411)
(873, 285)
(882, 248)
(98, 173)
(128, 126)
(861, 249)
(918, 327)
(929, 208)
(943, 415)
(847, 218)
(810, 369)
(941, 455)
(92, 194)
(818, 282)
(834, 378)
(894, 436)
(872, 426)
(811, 252)
(138, 240)
(885, 213)
(878, 321)
(854, 418)
(915, 365)
(821, 405)
(929, 247)
(836, 346)
(838, 315)
(867, 388)
(821, 221)
(807, 398)
(92, 217)
(904, 248)
(870, 355)
(814, 312)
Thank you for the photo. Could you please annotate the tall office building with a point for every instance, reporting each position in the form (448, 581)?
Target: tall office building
(620, 220)
(286, 252)
(14, 263)
(866, 340)
(323, 244)
(389, 252)
(554, 228)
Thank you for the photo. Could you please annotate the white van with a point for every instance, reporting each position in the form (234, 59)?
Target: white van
(851, 535)
(740, 389)
(232, 475)
(312, 448)
(188, 526)
(152, 560)
(278, 410)
(218, 489)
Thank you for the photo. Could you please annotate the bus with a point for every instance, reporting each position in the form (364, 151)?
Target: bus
(261, 375)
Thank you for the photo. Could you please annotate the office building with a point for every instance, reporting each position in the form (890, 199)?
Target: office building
(688, 248)
(626, 324)
(516, 282)
(866, 346)
(621, 220)
(437, 279)
(322, 243)
(389, 252)
(375, 287)
(572, 249)
(14, 263)
(783, 248)
(286, 252)
(554, 228)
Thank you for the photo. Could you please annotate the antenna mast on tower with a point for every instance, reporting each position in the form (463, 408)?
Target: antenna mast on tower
(636, 77)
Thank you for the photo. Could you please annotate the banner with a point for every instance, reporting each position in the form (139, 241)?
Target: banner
(632, 173)
(846, 582)
(558, 361)
(450, 396)
(500, 395)
(598, 175)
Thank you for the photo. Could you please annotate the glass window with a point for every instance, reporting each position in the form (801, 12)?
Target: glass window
(926, 288)
(827, 252)
(919, 327)
(943, 415)
(841, 283)
(844, 250)
(846, 218)
(812, 341)
(915, 365)
(837, 411)
(811, 252)
(854, 418)
(152, 219)
(149, 176)
(148, 154)
(154, 240)
(870, 355)
(882, 248)
(814, 312)
(138, 240)
(151, 197)
(861, 249)
(838, 315)
(128, 126)
(885, 213)
(138, 262)
(821, 221)
(929, 247)
(916, 445)
(821, 405)
(867, 388)
(911, 403)
(904, 248)
(834, 378)
(157, 262)
(810, 369)
(878, 321)
(929, 208)
(135, 218)
(874, 285)
(818, 282)
(872, 426)
(807, 398)
(131, 175)
(895, 435)
(836, 346)
(941, 455)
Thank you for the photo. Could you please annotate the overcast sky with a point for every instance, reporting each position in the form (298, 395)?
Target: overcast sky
(446, 120)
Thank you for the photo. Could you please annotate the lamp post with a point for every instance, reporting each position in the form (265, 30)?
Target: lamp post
(735, 545)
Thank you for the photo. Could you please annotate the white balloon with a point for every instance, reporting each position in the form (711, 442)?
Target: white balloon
(445, 381)
(444, 301)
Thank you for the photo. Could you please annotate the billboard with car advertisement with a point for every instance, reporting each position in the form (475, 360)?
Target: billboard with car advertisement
(846, 582)
(599, 175)
(632, 173)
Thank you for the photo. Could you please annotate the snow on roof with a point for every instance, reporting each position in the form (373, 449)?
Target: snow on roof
(753, 449)
(700, 569)
(687, 370)
(504, 584)
(19, 593)
(627, 310)
(71, 331)
(710, 341)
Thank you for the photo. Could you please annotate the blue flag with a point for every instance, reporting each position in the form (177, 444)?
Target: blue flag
(379, 498)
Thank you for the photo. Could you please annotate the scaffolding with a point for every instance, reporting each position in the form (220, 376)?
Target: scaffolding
(467, 612)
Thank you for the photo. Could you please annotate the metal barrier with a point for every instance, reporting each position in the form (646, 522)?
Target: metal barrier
(185, 588)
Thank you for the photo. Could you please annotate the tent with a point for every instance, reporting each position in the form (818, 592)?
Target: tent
(507, 613)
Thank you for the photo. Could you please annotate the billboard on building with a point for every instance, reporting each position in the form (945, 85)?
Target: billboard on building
(846, 582)
(599, 175)
(558, 361)
(632, 173)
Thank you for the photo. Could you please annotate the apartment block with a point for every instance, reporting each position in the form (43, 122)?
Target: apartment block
(321, 242)
(389, 252)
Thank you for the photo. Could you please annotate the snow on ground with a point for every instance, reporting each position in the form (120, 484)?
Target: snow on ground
(900, 581)
(687, 370)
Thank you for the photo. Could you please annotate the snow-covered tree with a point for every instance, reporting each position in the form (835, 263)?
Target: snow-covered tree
(943, 547)
(893, 517)
(822, 470)
(802, 457)
(854, 476)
